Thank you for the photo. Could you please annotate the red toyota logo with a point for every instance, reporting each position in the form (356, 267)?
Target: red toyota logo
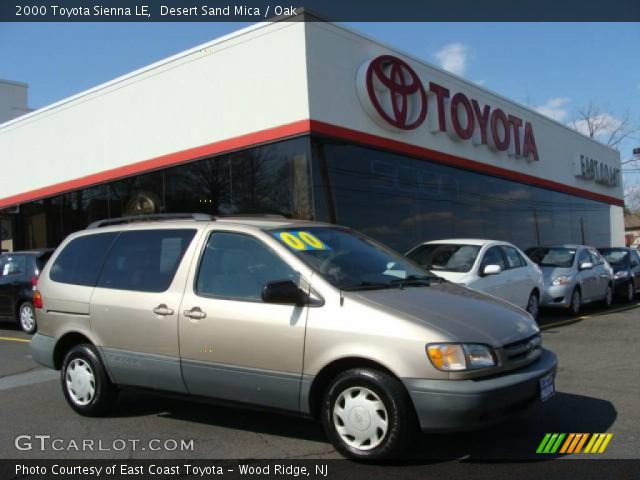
(396, 92)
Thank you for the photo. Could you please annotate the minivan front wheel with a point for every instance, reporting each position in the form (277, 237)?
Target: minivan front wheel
(367, 415)
(27, 317)
(85, 382)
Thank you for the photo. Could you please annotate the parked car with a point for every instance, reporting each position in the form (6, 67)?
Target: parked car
(18, 275)
(305, 317)
(626, 270)
(497, 268)
(573, 275)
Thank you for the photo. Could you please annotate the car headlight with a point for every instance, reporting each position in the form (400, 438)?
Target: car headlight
(562, 280)
(457, 357)
(621, 274)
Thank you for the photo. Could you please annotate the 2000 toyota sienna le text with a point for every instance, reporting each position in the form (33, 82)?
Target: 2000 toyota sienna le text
(298, 316)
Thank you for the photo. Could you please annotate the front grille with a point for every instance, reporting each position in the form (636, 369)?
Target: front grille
(523, 348)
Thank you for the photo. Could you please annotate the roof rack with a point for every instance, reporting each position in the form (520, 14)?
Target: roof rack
(202, 217)
(252, 215)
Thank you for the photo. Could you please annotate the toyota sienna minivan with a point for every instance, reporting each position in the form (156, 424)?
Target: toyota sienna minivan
(298, 316)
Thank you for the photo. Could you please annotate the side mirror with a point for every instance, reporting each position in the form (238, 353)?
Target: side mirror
(284, 292)
(586, 266)
(491, 270)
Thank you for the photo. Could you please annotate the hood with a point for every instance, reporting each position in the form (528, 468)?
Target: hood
(464, 315)
(619, 267)
(550, 273)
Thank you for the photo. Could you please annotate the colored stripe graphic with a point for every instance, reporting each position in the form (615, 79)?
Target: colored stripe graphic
(551, 443)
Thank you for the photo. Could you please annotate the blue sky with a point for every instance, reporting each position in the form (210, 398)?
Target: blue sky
(554, 67)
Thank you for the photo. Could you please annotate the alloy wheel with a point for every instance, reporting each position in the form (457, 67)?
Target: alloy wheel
(27, 317)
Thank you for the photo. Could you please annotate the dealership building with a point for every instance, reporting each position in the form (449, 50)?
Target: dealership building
(310, 120)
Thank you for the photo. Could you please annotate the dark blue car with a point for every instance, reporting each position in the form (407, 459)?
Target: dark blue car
(626, 270)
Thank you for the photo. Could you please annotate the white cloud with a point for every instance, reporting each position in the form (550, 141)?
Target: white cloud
(453, 57)
(554, 108)
(605, 125)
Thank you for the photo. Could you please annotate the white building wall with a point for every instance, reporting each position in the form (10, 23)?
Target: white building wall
(248, 82)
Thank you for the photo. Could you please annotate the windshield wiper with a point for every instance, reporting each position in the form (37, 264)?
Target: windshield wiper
(425, 280)
(368, 286)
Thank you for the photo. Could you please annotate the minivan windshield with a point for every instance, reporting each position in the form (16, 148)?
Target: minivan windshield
(445, 256)
(351, 261)
(561, 257)
(615, 256)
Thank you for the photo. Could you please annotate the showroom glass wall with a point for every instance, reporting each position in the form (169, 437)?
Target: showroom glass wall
(396, 199)
(403, 201)
(273, 178)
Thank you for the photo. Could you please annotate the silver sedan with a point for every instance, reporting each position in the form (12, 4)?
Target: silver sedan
(573, 275)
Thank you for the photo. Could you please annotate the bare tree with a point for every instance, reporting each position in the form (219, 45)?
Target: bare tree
(603, 126)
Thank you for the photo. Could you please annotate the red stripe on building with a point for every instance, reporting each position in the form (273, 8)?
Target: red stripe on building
(300, 127)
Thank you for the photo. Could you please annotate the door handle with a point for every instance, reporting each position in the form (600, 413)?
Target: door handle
(163, 310)
(195, 312)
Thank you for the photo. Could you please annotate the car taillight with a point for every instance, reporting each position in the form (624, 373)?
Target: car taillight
(37, 296)
(37, 299)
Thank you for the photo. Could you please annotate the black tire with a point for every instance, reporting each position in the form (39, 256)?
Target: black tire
(27, 325)
(608, 297)
(85, 358)
(533, 305)
(576, 302)
(398, 409)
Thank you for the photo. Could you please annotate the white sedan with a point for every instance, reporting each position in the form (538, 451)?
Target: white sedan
(497, 268)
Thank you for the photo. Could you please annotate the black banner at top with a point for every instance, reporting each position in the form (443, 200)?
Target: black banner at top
(318, 10)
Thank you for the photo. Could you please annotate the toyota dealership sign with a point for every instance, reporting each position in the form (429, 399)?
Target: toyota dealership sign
(395, 97)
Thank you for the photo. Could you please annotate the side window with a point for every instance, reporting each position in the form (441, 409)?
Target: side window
(597, 259)
(493, 256)
(514, 260)
(584, 256)
(13, 265)
(80, 261)
(145, 260)
(238, 266)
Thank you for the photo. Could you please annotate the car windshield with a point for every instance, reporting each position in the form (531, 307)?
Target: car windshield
(445, 257)
(552, 256)
(615, 256)
(351, 261)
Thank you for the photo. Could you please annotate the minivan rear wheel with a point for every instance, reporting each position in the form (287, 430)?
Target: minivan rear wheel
(85, 382)
(367, 415)
(27, 317)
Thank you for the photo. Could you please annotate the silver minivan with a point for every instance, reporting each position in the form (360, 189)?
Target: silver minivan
(298, 316)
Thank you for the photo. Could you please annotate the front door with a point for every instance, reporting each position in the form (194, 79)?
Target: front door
(134, 307)
(588, 278)
(496, 285)
(232, 345)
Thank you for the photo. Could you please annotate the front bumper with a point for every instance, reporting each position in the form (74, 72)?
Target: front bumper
(620, 286)
(42, 347)
(557, 296)
(453, 405)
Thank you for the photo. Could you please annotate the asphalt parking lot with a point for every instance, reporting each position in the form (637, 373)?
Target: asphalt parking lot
(598, 390)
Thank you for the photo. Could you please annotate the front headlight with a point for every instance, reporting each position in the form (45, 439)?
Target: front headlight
(562, 280)
(621, 274)
(457, 357)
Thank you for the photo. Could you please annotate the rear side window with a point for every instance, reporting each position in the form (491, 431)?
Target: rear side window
(514, 260)
(80, 261)
(145, 260)
(13, 265)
